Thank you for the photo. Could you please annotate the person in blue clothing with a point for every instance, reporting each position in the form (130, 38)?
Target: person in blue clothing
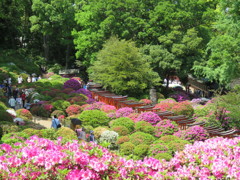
(55, 122)
(91, 137)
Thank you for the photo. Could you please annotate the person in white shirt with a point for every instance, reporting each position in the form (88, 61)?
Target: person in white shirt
(19, 103)
(20, 79)
(29, 79)
(33, 79)
(12, 102)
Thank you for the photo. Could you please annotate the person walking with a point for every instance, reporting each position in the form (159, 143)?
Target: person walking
(19, 103)
(91, 137)
(12, 102)
(55, 122)
(23, 96)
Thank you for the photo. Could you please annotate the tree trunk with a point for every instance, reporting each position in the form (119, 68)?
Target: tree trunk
(67, 56)
(167, 81)
(46, 47)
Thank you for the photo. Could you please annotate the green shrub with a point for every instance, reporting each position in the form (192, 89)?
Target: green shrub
(127, 148)
(58, 113)
(183, 108)
(168, 138)
(30, 132)
(123, 121)
(94, 118)
(67, 134)
(12, 138)
(121, 130)
(158, 147)
(1, 132)
(141, 150)
(98, 131)
(122, 139)
(178, 145)
(145, 127)
(88, 129)
(141, 138)
(61, 105)
(5, 116)
(8, 127)
(110, 137)
(3, 106)
(49, 133)
(165, 156)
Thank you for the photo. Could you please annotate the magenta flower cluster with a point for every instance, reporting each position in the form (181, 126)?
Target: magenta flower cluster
(195, 133)
(83, 91)
(39, 158)
(150, 117)
(94, 106)
(180, 96)
(72, 83)
(165, 127)
(124, 112)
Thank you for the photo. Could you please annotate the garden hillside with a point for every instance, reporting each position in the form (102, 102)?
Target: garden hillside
(128, 144)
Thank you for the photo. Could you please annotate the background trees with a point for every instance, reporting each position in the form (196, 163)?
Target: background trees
(120, 67)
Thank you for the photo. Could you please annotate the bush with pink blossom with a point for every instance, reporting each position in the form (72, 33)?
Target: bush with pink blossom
(24, 113)
(180, 96)
(146, 101)
(108, 108)
(194, 133)
(133, 116)
(150, 117)
(165, 127)
(84, 92)
(95, 106)
(124, 112)
(72, 83)
(73, 109)
(183, 108)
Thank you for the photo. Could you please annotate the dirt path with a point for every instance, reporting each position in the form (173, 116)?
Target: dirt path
(44, 122)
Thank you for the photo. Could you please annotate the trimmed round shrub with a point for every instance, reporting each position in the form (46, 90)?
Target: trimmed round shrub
(194, 133)
(67, 90)
(58, 113)
(121, 130)
(108, 136)
(5, 116)
(127, 148)
(31, 132)
(124, 112)
(49, 133)
(98, 131)
(166, 156)
(73, 109)
(94, 118)
(183, 108)
(72, 83)
(145, 127)
(61, 105)
(78, 99)
(94, 106)
(8, 127)
(123, 121)
(141, 150)
(158, 147)
(165, 127)
(168, 138)
(3, 106)
(66, 133)
(122, 139)
(134, 116)
(24, 113)
(84, 92)
(150, 117)
(141, 138)
(165, 105)
(178, 145)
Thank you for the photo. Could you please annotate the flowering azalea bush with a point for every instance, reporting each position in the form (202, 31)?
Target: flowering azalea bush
(108, 108)
(150, 117)
(134, 116)
(94, 106)
(24, 113)
(183, 108)
(145, 101)
(124, 112)
(122, 139)
(121, 130)
(83, 91)
(72, 83)
(165, 105)
(38, 158)
(180, 96)
(194, 133)
(61, 105)
(165, 127)
(73, 109)
(78, 99)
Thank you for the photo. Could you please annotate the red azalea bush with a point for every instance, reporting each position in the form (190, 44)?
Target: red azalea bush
(195, 133)
(73, 109)
(108, 108)
(48, 107)
(24, 113)
(183, 108)
(145, 101)
(61, 117)
(165, 127)
(79, 100)
(124, 112)
(72, 83)
(150, 117)
(165, 105)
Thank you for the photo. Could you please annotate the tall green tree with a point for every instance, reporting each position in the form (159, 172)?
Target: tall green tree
(223, 51)
(121, 68)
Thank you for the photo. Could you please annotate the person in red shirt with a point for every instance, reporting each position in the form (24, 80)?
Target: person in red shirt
(23, 96)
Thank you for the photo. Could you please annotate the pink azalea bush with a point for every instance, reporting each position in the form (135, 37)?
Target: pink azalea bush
(83, 91)
(73, 110)
(150, 117)
(72, 83)
(194, 133)
(108, 108)
(124, 112)
(94, 106)
(133, 116)
(165, 127)
(146, 101)
(216, 158)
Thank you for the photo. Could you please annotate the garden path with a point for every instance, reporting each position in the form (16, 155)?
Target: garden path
(46, 122)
